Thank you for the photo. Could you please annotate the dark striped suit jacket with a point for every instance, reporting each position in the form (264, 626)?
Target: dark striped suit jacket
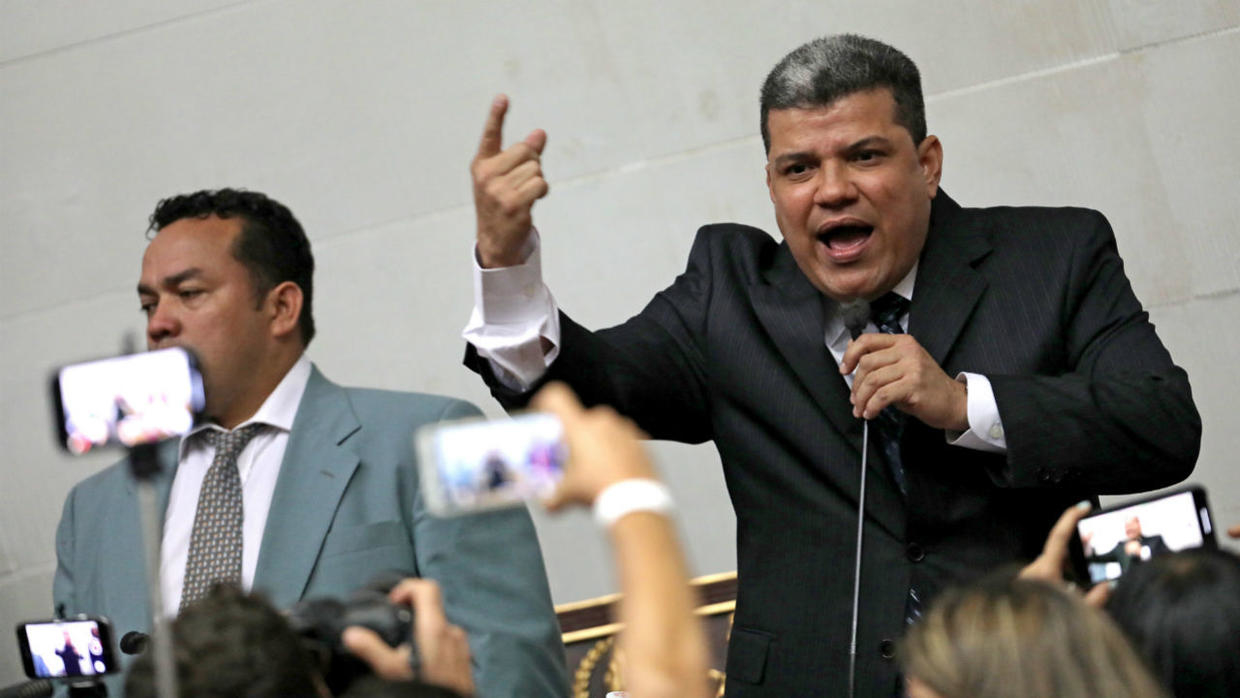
(733, 351)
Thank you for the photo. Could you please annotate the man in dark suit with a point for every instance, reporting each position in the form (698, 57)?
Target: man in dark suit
(1023, 377)
(328, 484)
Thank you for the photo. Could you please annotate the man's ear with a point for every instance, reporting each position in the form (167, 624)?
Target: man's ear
(930, 155)
(770, 191)
(284, 305)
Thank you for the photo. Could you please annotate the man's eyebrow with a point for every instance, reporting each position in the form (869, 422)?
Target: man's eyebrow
(798, 156)
(868, 142)
(171, 280)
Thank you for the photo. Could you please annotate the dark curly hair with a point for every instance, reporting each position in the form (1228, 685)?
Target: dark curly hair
(231, 644)
(272, 244)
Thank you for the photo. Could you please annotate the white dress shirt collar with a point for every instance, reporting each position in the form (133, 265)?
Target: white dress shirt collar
(837, 335)
(278, 410)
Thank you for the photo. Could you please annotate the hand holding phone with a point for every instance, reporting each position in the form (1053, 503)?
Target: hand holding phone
(604, 448)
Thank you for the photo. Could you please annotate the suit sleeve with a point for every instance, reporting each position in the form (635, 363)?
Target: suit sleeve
(1121, 418)
(650, 368)
(495, 587)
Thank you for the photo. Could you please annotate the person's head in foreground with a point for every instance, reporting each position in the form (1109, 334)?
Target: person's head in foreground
(232, 644)
(1182, 613)
(1016, 638)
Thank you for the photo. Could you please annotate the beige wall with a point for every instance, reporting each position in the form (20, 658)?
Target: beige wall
(362, 118)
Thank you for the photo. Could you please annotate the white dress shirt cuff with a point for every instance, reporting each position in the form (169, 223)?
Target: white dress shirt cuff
(513, 312)
(985, 431)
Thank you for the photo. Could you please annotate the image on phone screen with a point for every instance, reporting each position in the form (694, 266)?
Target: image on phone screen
(127, 400)
(1114, 540)
(479, 464)
(55, 649)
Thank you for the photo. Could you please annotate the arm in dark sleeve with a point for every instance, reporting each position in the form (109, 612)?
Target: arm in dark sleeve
(1121, 418)
(650, 368)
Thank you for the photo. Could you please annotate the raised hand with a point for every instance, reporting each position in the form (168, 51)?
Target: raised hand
(506, 185)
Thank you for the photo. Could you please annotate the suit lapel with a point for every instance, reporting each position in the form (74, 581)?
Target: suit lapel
(126, 554)
(791, 311)
(313, 477)
(948, 284)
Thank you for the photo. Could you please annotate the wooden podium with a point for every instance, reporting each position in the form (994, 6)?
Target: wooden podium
(590, 628)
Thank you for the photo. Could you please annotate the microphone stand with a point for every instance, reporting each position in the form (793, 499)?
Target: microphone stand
(856, 603)
(856, 315)
(144, 465)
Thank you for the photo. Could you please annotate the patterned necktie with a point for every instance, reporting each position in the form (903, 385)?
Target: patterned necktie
(885, 313)
(216, 542)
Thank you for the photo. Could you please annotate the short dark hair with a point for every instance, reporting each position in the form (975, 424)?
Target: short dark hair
(1182, 611)
(821, 71)
(231, 643)
(272, 244)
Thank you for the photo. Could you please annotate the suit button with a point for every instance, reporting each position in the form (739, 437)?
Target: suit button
(887, 649)
(915, 552)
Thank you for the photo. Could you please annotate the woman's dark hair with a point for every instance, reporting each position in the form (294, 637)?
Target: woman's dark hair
(1182, 611)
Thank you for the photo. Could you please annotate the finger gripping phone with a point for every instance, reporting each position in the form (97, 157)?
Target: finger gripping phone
(126, 400)
(67, 648)
(1115, 539)
(477, 464)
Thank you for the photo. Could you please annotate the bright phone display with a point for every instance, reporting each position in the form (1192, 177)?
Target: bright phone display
(127, 400)
(1116, 538)
(65, 648)
(478, 464)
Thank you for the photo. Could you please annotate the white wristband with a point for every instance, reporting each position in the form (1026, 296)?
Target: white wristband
(627, 496)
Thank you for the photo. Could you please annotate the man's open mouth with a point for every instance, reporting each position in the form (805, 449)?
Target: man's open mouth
(841, 238)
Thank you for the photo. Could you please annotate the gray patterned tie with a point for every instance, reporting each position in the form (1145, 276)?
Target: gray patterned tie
(215, 544)
(886, 313)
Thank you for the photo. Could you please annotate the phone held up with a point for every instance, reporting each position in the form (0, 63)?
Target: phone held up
(71, 647)
(127, 400)
(476, 464)
(1114, 539)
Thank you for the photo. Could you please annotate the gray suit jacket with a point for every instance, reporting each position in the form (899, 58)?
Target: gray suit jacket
(346, 506)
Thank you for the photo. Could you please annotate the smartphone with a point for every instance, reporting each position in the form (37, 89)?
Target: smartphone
(476, 464)
(127, 400)
(80, 646)
(1115, 539)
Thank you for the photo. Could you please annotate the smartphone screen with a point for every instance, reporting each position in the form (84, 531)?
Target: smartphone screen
(1117, 538)
(479, 464)
(59, 648)
(128, 400)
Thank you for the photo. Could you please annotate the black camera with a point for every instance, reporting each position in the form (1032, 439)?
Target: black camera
(321, 622)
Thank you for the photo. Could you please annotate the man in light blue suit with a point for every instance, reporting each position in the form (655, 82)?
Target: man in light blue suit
(329, 487)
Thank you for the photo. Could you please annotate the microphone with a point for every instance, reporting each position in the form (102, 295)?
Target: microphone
(134, 642)
(856, 315)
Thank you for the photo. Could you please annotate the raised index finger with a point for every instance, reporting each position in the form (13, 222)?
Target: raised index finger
(493, 132)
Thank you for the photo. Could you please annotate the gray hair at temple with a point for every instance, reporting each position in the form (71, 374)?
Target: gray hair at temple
(818, 73)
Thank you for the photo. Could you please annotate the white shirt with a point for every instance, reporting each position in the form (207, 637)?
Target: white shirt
(259, 466)
(514, 312)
